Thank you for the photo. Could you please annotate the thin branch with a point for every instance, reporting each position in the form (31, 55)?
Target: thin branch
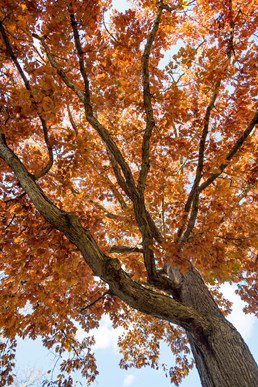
(232, 238)
(163, 222)
(58, 69)
(231, 153)
(39, 54)
(245, 192)
(72, 122)
(117, 172)
(125, 249)
(192, 220)
(167, 7)
(50, 162)
(107, 180)
(199, 168)
(109, 33)
(195, 202)
(150, 123)
(193, 198)
(79, 50)
(26, 82)
(95, 165)
(93, 121)
(9, 224)
(95, 301)
(107, 213)
(15, 198)
(13, 56)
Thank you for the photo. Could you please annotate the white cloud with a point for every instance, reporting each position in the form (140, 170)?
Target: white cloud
(243, 322)
(105, 336)
(121, 5)
(128, 380)
(27, 309)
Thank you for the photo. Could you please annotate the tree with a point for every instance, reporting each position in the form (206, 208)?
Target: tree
(127, 187)
(28, 378)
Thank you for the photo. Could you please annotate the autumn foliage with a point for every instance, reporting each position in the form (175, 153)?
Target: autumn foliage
(136, 130)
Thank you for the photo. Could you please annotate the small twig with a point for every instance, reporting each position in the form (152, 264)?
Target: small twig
(109, 33)
(16, 198)
(95, 301)
(9, 224)
(107, 213)
(104, 176)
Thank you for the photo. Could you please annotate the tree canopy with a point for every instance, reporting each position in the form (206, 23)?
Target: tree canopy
(127, 157)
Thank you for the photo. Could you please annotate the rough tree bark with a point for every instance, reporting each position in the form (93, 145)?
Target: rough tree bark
(222, 358)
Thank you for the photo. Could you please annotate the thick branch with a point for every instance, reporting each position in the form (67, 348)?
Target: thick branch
(104, 134)
(108, 269)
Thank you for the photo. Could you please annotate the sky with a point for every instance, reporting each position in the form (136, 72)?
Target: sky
(33, 358)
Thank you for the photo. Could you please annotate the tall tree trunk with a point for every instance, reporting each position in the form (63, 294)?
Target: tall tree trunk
(222, 357)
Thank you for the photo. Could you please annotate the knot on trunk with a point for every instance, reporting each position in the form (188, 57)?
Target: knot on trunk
(174, 275)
